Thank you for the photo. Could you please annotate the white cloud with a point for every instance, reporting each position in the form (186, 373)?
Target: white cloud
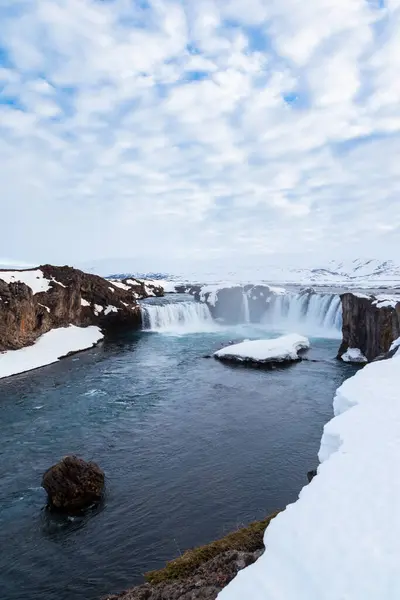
(187, 129)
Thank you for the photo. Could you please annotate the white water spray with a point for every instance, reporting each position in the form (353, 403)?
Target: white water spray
(246, 308)
(314, 314)
(178, 317)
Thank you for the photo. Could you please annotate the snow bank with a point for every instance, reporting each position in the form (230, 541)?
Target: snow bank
(284, 348)
(341, 539)
(120, 285)
(383, 301)
(49, 348)
(396, 344)
(354, 355)
(33, 279)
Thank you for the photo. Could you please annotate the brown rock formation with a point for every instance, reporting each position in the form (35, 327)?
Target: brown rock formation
(368, 326)
(73, 484)
(204, 584)
(74, 297)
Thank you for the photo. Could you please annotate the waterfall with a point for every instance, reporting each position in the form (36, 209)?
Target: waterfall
(313, 314)
(177, 317)
(246, 308)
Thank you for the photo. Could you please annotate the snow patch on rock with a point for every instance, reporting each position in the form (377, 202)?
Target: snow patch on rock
(49, 348)
(98, 309)
(354, 355)
(120, 285)
(282, 349)
(33, 279)
(383, 301)
(45, 307)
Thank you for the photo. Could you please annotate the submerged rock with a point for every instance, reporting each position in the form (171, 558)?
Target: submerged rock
(73, 484)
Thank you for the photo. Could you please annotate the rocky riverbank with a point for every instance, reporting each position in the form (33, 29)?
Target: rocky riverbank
(201, 573)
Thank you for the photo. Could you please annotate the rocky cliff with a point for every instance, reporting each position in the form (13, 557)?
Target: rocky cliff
(370, 324)
(32, 302)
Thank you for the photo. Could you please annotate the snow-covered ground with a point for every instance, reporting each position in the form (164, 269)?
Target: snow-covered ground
(356, 274)
(34, 279)
(341, 539)
(49, 348)
(281, 349)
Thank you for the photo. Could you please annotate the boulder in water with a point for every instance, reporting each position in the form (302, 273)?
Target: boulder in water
(73, 484)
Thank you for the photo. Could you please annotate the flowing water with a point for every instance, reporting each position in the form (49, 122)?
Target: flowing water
(192, 448)
(313, 314)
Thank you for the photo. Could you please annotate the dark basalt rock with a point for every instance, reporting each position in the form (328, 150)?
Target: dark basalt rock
(311, 475)
(368, 327)
(73, 484)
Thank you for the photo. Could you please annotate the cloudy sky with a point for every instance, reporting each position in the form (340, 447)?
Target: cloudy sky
(180, 130)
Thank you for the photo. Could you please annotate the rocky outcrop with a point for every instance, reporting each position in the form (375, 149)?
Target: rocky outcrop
(369, 324)
(204, 584)
(70, 297)
(73, 484)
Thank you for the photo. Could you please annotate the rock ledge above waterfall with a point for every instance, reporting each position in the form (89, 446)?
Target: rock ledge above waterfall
(265, 352)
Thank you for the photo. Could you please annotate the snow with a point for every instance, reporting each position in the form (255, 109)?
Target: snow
(121, 285)
(383, 301)
(278, 291)
(354, 355)
(112, 290)
(396, 344)
(49, 348)
(98, 309)
(33, 279)
(340, 540)
(284, 348)
(43, 306)
(58, 282)
(169, 287)
(213, 290)
(359, 295)
(110, 309)
(84, 302)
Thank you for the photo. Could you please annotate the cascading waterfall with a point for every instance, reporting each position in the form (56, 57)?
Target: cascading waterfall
(318, 314)
(179, 317)
(246, 308)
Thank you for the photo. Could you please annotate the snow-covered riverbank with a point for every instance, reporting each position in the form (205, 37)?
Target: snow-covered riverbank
(341, 538)
(48, 349)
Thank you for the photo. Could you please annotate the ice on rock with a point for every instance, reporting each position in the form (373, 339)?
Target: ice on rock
(284, 348)
(354, 355)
